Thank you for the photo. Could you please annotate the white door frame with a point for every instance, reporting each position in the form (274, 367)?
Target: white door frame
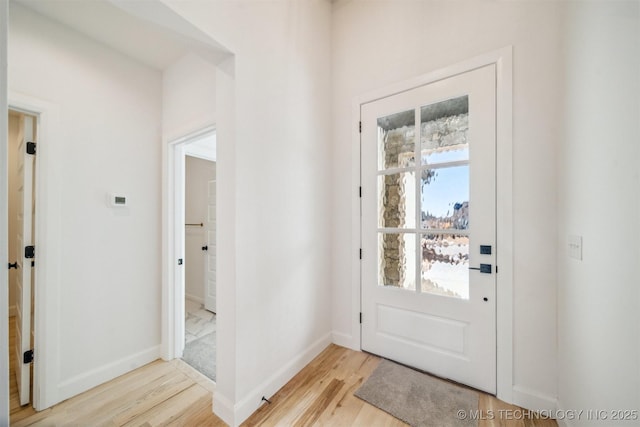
(502, 58)
(4, 215)
(210, 303)
(173, 323)
(47, 261)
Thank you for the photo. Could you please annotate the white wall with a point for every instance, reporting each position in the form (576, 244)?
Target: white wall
(599, 198)
(188, 96)
(198, 173)
(14, 135)
(226, 264)
(280, 178)
(99, 267)
(383, 42)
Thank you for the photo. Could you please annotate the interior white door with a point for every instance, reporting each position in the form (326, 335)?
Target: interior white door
(24, 238)
(429, 228)
(210, 274)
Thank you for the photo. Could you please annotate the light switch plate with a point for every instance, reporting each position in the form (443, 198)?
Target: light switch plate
(575, 247)
(117, 200)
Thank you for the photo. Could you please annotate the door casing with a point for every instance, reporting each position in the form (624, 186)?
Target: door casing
(210, 302)
(175, 320)
(24, 237)
(503, 60)
(45, 269)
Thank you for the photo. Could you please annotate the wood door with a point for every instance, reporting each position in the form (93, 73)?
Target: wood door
(429, 228)
(210, 264)
(24, 225)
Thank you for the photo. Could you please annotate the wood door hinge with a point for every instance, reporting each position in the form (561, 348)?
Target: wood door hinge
(361, 318)
(360, 253)
(360, 127)
(360, 191)
(27, 357)
(31, 148)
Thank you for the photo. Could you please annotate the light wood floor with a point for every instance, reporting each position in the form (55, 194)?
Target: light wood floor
(174, 394)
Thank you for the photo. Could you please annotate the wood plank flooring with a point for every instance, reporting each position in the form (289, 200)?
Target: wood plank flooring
(174, 394)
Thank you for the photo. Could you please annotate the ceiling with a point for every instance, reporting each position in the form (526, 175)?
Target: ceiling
(147, 31)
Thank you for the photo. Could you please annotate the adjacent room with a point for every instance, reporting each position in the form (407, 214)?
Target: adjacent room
(103, 116)
(200, 254)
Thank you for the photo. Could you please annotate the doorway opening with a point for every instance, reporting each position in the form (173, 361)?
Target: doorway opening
(426, 249)
(428, 211)
(22, 148)
(195, 248)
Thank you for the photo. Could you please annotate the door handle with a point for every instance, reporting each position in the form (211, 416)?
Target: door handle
(484, 268)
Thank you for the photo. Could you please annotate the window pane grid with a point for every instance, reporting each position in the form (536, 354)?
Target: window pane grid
(424, 251)
(392, 230)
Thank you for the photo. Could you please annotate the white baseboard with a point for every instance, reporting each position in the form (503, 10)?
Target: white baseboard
(12, 310)
(194, 298)
(564, 422)
(344, 340)
(224, 409)
(533, 400)
(235, 415)
(88, 380)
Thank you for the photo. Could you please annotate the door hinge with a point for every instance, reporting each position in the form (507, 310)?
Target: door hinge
(13, 265)
(361, 318)
(31, 148)
(360, 191)
(360, 127)
(27, 357)
(496, 269)
(29, 251)
(360, 253)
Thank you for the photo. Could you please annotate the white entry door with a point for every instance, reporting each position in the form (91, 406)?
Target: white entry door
(429, 228)
(25, 257)
(210, 264)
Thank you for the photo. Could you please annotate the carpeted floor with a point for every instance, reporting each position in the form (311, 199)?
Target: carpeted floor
(201, 354)
(200, 339)
(417, 398)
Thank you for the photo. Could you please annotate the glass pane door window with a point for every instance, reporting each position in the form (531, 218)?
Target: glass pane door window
(423, 206)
